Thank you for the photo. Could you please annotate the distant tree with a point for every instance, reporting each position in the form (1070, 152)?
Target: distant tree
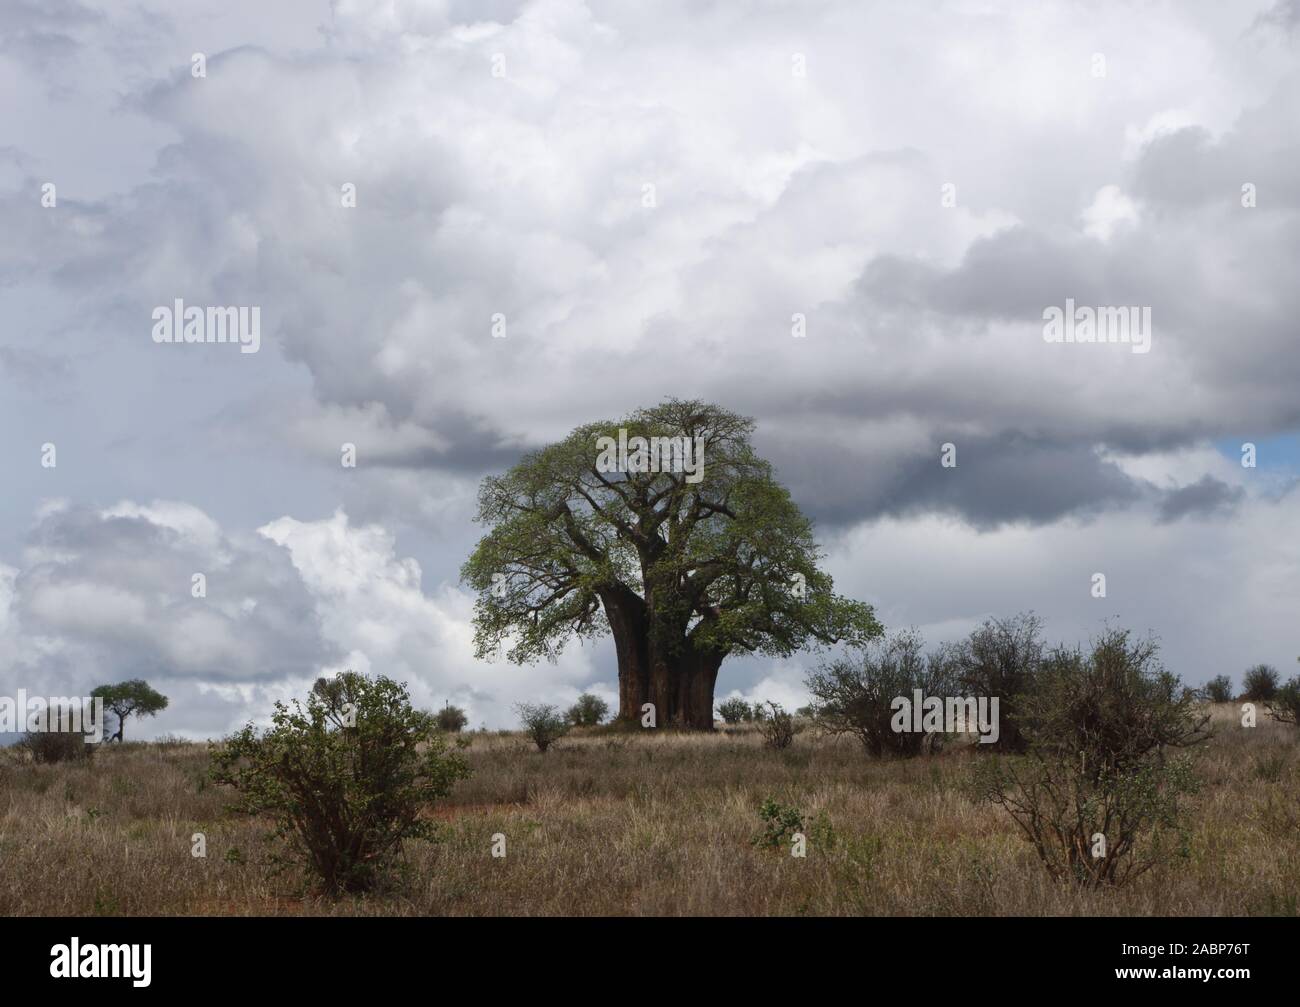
(733, 711)
(588, 711)
(1260, 683)
(133, 698)
(451, 719)
(543, 723)
(1219, 689)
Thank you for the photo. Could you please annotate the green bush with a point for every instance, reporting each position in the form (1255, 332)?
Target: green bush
(1101, 728)
(1219, 689)
(1260, 683)
(735, 710)
(780, 823)
(345, 779)
(588, 711)
(451, 719)
(543, 723)
(1285, 706)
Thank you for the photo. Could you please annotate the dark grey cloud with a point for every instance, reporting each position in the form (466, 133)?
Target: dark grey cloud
(1207, 496)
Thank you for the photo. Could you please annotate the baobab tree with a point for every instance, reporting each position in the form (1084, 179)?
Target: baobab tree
(684, 564)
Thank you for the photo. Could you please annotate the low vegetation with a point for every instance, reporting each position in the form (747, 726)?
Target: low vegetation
(642, 822)
(345, 779)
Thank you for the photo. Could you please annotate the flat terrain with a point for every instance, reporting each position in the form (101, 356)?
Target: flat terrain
(645, 824)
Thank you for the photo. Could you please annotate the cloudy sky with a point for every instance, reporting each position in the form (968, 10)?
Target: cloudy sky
(648, 195)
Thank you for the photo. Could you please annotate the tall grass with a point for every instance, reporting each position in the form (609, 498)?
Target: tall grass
(640, 823)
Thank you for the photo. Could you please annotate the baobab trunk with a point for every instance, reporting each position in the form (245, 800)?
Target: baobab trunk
(681, 687)
(676, 677)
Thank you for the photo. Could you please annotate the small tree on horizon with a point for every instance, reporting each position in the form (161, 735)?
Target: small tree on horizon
(132, 698)
(543, 723)
(451, 719)
(588, 711)
(1260, 683)
(1219, 689)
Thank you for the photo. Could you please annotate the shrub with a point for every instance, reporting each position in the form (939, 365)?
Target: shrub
(1285, 706)
(451, 719)
(780, 823)
(57, 746)
(588, 711)
(1219, 689)
(733, 711)
(345, 779)
(1100, 729)
(59, 743)
(542, 723)
(1260, 683)
(778, 727)
(1002, 659)
(854, 695)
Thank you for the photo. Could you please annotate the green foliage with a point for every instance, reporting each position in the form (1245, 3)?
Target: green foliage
(588, 711)
(1100, 729)
(134, 697)
(451, 719)
(1260, 683)
(780, 823)
(543, 723)
(1113, 707)
(1285, 704)
(720, 557)
(735, 710)
(1219, 689)
(853, 694)
(346, 779)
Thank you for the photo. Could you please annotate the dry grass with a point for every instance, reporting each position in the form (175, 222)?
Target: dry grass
(644, 824)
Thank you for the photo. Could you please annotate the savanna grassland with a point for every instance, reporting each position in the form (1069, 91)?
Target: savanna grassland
(612, 823)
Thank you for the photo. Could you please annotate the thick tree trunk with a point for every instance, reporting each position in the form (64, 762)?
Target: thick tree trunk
(681, 686)
(676, 677)
(626, 614)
